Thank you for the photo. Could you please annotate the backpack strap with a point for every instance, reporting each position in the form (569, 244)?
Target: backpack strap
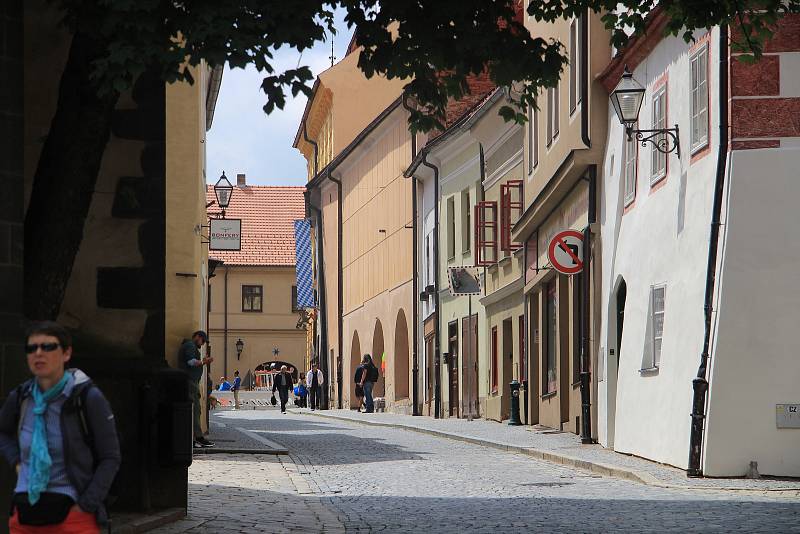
(86, 428)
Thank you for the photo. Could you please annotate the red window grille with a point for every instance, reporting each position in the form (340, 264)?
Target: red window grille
(485, 233)
(510, 213)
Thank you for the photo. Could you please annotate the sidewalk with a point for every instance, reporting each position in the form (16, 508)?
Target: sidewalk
(558, 447)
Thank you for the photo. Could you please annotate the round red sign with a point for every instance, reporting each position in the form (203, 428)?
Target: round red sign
(565, 252)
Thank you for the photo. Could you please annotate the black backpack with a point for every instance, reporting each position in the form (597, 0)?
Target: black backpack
(373, 373)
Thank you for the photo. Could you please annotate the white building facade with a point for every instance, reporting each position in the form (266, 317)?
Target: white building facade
(657, 211)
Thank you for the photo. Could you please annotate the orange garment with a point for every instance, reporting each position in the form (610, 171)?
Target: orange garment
(77, 522)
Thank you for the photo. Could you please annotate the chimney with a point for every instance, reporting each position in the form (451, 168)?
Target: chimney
(240, 181)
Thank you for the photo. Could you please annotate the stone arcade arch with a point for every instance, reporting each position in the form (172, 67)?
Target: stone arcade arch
(379, 357)
(355, 361)
(400, 357)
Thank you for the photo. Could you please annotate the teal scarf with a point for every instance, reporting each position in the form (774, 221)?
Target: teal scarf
(40, 462)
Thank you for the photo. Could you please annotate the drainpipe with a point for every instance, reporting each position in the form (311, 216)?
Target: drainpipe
(414, 280)
(340, 277)
(322, 316)
(323, 313)
(584, 68)
(586, 415)
(436, 349)
(225, 328)
(700, 383)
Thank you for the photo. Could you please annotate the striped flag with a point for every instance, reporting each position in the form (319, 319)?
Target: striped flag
(302, 243)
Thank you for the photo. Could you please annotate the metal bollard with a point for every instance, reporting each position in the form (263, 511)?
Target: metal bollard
(514, 420)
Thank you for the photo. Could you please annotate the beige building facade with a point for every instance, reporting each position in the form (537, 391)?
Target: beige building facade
(253, 294)
(563, 151)
(355, 142)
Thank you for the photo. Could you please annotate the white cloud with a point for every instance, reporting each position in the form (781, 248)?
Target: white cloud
(243, 139)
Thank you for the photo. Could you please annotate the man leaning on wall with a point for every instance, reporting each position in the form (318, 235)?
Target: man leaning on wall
(191, 362)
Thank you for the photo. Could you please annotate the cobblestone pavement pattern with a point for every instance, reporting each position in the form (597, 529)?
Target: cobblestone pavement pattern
(345, 477)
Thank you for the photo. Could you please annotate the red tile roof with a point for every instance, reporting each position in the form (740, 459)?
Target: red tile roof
(268, 214)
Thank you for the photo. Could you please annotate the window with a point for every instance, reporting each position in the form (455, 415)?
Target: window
(574, 65)
(630, 167)
(552, 114)
(657, 297)
(251, 298)
(510, 213)
(658, 160)
(485, 233)
(294, 299)
(577, 325)
(699, 89)
(451, 228)
(533, 139)
(549, 384)
(466, 222)
(494, 373)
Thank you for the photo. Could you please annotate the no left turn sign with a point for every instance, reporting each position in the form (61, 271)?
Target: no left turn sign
(565, 252)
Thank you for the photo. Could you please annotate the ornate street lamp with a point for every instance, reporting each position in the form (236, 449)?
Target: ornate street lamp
(627, 99)
(223, 190)
(239, 348)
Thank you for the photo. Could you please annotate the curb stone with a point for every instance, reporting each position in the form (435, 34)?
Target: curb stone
(556, 458)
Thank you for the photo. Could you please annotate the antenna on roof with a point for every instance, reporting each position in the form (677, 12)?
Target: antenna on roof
(332, 57)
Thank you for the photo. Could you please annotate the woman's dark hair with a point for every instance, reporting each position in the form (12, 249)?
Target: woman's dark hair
(50, 328)
(366, 358)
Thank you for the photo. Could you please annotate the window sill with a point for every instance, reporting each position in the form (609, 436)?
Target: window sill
(504, 259)
(649, 371)
(252, 311)
(656, 180)
(549, 395)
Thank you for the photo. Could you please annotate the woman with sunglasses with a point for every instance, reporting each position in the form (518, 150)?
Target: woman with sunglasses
(58, 430)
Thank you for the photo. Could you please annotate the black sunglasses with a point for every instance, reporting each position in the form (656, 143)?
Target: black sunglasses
(46, 347)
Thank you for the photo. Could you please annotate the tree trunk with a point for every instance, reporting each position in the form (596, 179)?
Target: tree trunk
(65, 179)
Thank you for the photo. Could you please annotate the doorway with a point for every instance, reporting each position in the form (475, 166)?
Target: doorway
(469, 337)
(452, 368)
(622, 294)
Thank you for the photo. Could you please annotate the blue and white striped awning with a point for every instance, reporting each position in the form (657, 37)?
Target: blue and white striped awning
(305, 287)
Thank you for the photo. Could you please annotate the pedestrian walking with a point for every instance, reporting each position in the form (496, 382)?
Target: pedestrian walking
(58, 430)
(283, 384)
(358, 379)
(237, 384)
(314, 381)
(191, 361)
(368, 378)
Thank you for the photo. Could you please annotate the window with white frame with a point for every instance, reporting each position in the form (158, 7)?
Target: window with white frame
(699, 90)
(466, 222)
(657, 298)
(630, 167)
(552, 114)
(574, 65)
(658, 160)
(533, 138)
(451, 228)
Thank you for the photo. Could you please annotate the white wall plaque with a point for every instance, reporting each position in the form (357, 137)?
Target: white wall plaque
(226, 234)
(787, 415)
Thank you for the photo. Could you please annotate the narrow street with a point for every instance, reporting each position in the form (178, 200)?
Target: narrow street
(347, 477)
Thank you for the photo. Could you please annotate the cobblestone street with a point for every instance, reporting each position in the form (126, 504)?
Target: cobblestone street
(346, 477)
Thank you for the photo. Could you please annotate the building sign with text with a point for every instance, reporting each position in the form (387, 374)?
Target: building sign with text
(225, 234)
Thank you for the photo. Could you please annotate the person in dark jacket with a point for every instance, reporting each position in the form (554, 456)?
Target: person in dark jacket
(190, 361)
(57, 429)
(283, 384)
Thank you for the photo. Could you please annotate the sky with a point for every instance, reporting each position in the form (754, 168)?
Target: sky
(244, 139)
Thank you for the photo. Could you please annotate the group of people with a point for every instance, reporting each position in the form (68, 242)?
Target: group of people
(309, 392)
(365, 377)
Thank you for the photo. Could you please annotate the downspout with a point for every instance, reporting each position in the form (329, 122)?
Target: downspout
(436, 349)
(225, 327)
(322, 358)
(700, 383)
(586, 275)
(323, 314)
(340, 277)
(414, 281)
(584, 69)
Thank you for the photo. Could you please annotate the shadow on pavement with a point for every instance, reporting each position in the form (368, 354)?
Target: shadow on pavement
(254, 510)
